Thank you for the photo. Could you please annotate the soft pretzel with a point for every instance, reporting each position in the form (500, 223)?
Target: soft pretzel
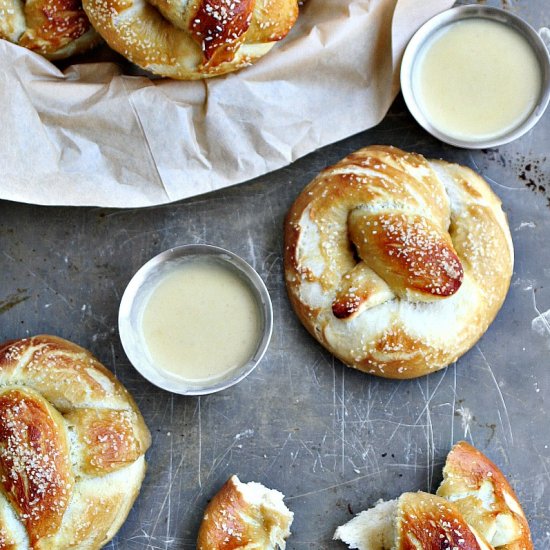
(72, 445)
(54, 28)
(483, 495)
(397, 264)
(192, 39)
(415, 521)
(245, 516)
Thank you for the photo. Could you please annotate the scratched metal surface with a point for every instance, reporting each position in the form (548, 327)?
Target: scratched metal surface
(333, 440)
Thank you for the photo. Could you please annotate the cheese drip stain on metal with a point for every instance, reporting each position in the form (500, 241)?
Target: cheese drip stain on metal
(200, 322)
(477, 79)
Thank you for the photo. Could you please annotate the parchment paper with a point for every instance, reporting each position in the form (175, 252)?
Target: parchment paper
(91, 135)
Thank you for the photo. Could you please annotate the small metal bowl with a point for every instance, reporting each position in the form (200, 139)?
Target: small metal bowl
(145, 281)
(474, 12)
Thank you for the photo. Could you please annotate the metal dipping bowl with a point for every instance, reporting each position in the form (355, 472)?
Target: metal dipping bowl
(475, 12)
(136, 297)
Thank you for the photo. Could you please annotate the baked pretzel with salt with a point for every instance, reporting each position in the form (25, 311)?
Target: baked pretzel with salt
(72, 445)
(195, 38)
(397, 264)
(55, 29)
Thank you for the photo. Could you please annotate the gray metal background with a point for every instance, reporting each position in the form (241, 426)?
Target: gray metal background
(333, 440)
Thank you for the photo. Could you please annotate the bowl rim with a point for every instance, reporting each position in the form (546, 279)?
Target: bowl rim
(461, 13)
(131, 341)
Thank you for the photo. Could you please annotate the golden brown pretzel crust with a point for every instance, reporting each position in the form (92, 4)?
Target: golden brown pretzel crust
(34, 461)
(55, 29)
(71, 447)
(397, 264)
(469, 479)
(224, 527)
(431, 523)
(195, 38)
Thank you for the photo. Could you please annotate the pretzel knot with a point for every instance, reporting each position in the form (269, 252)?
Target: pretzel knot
(72, 445)
(397, 264)
(194, 38)
(53, 28)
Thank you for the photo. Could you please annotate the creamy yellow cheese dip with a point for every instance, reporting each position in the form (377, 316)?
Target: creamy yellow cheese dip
(201, 321)
(476, 79)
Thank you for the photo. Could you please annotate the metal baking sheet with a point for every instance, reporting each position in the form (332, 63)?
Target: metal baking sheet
(332, 440)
